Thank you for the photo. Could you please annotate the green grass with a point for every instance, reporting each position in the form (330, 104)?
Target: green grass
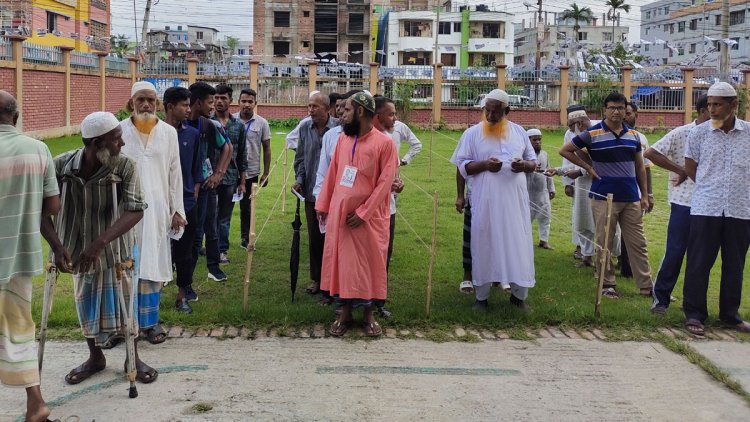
(563, 295)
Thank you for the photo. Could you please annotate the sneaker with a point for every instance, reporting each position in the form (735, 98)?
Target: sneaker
(481, 306)
(243, 244)
(191, 295)
(183, 306)
(659, 310)
(217, 275)
(384, 313)
(520, 304)
(223, 259)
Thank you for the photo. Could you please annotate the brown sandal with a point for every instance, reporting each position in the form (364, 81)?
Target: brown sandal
(373, 329)
(339, 328)
(695, 327)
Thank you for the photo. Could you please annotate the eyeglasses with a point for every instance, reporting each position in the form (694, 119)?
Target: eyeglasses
(620, 109)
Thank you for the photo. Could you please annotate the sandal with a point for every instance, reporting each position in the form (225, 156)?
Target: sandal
(695, 327)
(156, 335)
(466, 287)
(610, 292)
(112, 342)
(373, 329)
(742, 327)
(313, 289)
(81, 374)
(339, 328)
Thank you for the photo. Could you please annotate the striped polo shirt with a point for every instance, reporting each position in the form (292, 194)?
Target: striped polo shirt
(27, 176)
(613, 156)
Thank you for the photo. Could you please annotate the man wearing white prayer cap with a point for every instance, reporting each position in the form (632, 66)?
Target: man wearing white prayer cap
(541, 189)
(491, 157)
(89, 241)
(152, 143)
(716, 157)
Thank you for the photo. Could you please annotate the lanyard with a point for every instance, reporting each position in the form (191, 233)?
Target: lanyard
(247, 129)
(354, 148)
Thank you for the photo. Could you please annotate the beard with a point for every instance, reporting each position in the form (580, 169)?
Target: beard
(717, 123)
(497, 130)
(145, 122)
(351, 128)
(107, 159)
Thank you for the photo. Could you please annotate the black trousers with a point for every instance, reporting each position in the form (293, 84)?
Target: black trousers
(708, 235)
(245, 209)
(182, 250)
(316, 241)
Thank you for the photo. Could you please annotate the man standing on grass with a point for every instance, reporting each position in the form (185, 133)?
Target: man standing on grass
(354, 206)
(669, 153)
(234, 180)
(257, 134)
(96, 241)
(29, 178)
(177, 108)
(617, 168)
(218, 153)
(305, 169)
(328, 144)
(716, 159)
(492, 155)
(541, 189)
(152, 143)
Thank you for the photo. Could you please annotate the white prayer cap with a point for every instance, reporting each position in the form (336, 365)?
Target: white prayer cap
(97, 124)
(140, 86)
(721, 89)
(534, 132)
(498, 95)
(312, 94)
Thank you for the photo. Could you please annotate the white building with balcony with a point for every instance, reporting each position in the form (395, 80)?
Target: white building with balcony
(464, 38)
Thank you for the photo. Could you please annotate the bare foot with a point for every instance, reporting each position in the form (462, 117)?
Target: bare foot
(36, 408)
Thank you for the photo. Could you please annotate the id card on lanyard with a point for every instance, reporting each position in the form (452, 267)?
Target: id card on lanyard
(350, 172)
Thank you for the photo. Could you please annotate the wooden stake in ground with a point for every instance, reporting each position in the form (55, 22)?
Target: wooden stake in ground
(432, 134)
(604, 260)
(283, 184)
(432, 252)
(250, 245)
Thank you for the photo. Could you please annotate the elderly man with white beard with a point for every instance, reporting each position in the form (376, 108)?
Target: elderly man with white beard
(152, 143)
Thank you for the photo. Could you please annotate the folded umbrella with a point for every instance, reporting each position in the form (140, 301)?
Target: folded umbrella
(294, 258)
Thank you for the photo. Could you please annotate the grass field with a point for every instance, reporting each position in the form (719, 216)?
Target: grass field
(564, 295)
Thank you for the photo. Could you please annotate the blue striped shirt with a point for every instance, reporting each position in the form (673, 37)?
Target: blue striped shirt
(613, 156)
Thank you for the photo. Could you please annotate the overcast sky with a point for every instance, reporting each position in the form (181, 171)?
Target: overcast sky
(235, 18)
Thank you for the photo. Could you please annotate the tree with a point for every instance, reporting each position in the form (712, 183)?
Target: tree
(119, 45)
(578, 14)
(232, 43)
(616, 6)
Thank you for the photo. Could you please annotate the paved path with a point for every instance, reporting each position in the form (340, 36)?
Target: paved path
(393, 379)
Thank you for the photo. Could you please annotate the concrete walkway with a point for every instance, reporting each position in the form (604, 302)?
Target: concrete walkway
(204, 379)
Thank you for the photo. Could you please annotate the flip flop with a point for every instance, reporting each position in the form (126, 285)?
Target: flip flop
(373, 329)
(152, 334)
(77, 376)
(742, 327)
(339, 328)
(466, 287)
(695, 327)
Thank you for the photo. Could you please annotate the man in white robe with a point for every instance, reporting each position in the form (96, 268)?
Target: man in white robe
(541, 189)
(152, 143)
(492, 156)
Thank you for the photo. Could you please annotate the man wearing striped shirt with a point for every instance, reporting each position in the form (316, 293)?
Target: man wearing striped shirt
(617, 168)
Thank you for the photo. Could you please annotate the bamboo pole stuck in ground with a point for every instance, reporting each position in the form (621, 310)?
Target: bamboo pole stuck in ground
(432, 252)
(250, 245)
(432, 134)
(283, 184)
(604, 259)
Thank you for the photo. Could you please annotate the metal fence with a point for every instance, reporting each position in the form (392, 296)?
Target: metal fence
(117, 64)
(6, 49)
(283, 91)
(80, 60)
(41, 54)
(167, 67)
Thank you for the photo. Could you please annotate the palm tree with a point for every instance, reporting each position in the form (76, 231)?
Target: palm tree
(616, 5)
(578, 14)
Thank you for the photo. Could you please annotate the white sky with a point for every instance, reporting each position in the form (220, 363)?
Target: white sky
(235, 18)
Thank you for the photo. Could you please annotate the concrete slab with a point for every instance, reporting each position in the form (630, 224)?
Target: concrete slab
(401, 380)
(731, 357)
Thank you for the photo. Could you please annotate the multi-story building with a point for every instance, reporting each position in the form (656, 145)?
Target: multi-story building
(464, 38)
(181, 42)
(81, 24)
(560, 41)
(689, 32)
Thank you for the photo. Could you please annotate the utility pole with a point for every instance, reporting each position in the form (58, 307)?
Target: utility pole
(538, 64)
(435, 59)
(724, 57)
(146, 14)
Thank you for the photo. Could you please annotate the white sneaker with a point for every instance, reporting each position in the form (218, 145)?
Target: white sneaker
(223, 259)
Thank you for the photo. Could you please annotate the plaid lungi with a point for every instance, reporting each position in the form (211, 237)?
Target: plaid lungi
(18, 354)
(149, 296)
(97, 303)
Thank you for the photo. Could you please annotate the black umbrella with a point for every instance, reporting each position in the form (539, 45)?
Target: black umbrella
(294, 258)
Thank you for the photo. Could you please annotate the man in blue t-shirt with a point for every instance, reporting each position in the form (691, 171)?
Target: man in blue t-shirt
(615, 163)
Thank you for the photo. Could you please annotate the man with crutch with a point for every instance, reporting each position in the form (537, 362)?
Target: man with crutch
(102, 202)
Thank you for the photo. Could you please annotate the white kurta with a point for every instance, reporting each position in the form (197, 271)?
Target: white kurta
(501, 242)
(161, 181)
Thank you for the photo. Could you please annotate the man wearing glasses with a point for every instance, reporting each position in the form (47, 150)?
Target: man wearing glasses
(617, 167)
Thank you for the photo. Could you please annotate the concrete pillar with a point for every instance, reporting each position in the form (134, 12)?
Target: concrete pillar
(564, 94)
(687, 78)
(312, 75)
(254, 74)
(437, 90)
(373, 78)
(133, 62)
(102, 80)
(192, 68)
(746, 74)
(17, 47)
(500, 75)
(627, 83)
(66, 63)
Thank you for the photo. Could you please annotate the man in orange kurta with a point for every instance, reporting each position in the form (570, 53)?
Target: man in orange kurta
(354, 205)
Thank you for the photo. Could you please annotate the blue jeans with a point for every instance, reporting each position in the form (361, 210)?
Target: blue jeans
(224, 195)
(207, 225)
(678, 233)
